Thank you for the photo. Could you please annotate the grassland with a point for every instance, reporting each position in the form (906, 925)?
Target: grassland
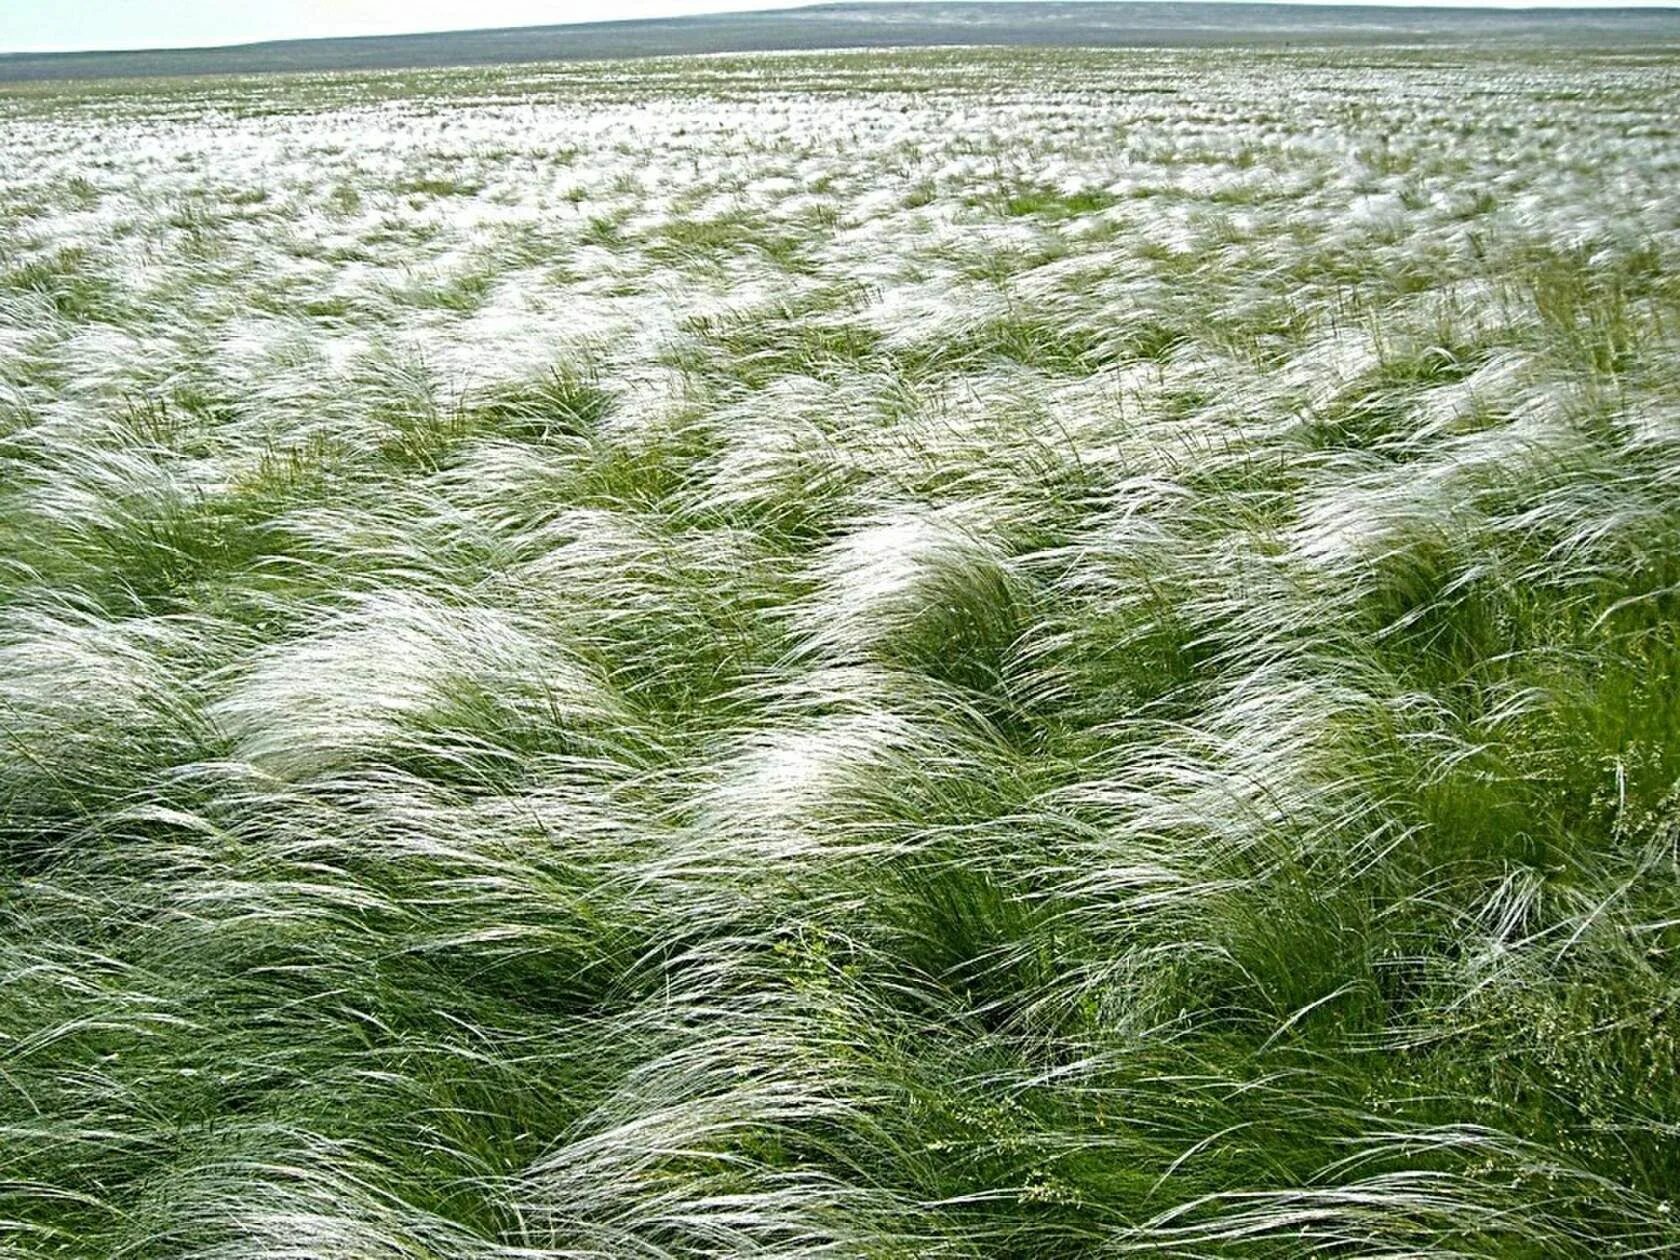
(884, 655)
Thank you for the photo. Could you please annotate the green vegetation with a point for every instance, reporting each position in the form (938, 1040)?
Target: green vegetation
(943, 654)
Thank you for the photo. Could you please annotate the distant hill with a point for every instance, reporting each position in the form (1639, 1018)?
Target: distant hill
(1089, 23)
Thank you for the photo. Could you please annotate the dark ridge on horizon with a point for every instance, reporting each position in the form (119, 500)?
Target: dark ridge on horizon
(898, 23)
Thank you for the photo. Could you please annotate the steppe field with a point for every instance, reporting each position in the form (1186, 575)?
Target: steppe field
(953, 654)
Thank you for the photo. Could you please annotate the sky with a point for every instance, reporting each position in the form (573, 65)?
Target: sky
(54, 25)
(59, 25)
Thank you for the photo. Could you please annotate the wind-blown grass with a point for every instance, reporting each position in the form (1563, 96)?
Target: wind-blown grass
(837, 655)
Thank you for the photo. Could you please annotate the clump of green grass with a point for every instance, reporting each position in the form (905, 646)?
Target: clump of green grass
(604, 230)
(69, 280)
(441, 186)
(1026, 339)
(1050, 203)
(755, 349)
(709, 240)
(461, 293)
(563, 402)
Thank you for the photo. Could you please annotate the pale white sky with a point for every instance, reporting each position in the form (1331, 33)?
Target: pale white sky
(50, 25)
